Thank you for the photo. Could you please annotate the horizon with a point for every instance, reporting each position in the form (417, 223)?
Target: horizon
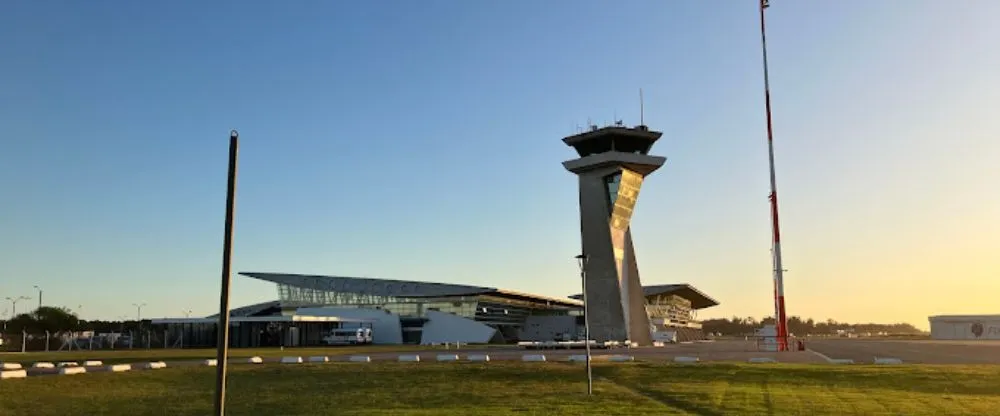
(422, 142)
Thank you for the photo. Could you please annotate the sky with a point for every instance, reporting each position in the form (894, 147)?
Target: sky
(421, 141)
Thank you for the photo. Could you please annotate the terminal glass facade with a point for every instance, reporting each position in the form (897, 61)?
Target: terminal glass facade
(669, 308)
(493, 310)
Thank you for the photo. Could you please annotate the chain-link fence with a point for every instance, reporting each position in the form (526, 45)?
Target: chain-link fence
(86, 340)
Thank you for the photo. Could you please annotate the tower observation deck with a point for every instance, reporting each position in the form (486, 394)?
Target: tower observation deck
(612, 165)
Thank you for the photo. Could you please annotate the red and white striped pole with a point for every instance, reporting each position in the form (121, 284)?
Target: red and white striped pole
(780, 319)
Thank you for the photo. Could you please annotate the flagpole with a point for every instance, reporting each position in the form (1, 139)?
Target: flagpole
(780, 320)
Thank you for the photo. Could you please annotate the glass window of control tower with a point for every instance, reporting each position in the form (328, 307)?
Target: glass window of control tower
(612, 182)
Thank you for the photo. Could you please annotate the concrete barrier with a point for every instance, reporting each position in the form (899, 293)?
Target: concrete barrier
(72, 370)
(255, 360)
(359, 359)
(291, 360)
(117, 368)
(478, 357)
(409, 358)
(685, 359)
(319, 359)
(533, 357)
(841, 361)
(154, 365)
(13, 374)
(760, 360)
(43, 364)
(579, 358)
(447, 357)
(211, 362)
(10, 366)
(67, 364)
(887, 360)
(93, 363)
(621, 358)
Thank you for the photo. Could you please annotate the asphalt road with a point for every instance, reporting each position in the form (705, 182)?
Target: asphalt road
(909, 351)
(706, 352)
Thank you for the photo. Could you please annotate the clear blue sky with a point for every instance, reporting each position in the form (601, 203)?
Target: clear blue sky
(420, 140)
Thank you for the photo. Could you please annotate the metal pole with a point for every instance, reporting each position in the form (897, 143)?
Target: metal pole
(780, 320)
(586, 323)
(39, 296)
(222, 345)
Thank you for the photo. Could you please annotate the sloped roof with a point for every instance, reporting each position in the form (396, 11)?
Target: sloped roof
(401, 288)
(698, 299)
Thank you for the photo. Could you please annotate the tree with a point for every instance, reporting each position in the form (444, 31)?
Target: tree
(45, 318)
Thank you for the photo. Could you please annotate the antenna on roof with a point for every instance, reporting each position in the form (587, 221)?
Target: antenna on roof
(642, 110)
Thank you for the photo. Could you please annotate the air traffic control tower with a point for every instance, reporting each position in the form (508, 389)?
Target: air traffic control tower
(613, 162)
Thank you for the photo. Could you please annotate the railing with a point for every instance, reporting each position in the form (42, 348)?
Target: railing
(774, 343)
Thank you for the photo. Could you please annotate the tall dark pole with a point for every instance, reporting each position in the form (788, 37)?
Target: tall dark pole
(39, 297)
(780, 321)
(222, 346)
(586, 322)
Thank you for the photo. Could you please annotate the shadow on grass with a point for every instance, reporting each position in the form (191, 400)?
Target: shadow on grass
(967, 380)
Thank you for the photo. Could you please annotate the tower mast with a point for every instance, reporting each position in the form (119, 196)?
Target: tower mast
(780, 319)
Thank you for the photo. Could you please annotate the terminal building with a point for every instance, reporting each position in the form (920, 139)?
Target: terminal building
(965, 327)
(409, 312)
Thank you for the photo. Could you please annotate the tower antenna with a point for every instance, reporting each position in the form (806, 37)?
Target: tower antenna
(642, 109)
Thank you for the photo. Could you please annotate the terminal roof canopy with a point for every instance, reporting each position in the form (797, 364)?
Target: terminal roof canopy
(698, 299)
(400, 288)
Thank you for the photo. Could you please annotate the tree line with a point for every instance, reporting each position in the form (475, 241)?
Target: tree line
(796, 325)
(55, 320)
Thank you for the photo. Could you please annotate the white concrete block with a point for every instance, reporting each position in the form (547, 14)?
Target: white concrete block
(212, 362)
(359, 359)
(67, 364)
(154, 365)
(291, 360)
(760, 360)
(93, 363)
(478, 357)
(43, 364)
(117, 368)
(579, 358)
(841, 361)
(685, 359)
(319, 359)
(621, 358)
(887, 360)
(255, 360)
(10, 366)
(72, 370)
(533, 357)
(447, 357)
(13, 374)
(409, 358)
(658, 343)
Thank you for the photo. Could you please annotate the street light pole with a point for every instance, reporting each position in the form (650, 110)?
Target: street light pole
(39, 296)
(138, 311)
(582, 259)
(13, 304)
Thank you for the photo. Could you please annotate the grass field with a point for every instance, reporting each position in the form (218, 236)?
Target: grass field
(139, 355)
(514, 388)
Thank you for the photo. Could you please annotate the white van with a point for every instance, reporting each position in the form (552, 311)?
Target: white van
(349, 336)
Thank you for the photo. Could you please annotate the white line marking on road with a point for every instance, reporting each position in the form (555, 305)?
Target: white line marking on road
(820, 355)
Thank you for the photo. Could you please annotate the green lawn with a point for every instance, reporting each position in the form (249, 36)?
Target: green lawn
(140, 355)
(514, 388)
